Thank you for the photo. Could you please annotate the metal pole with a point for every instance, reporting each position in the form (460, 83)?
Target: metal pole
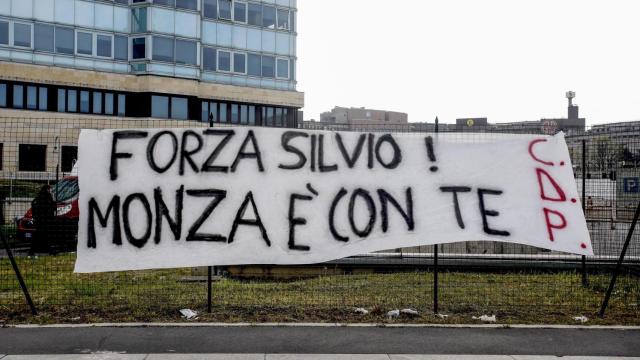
(585, 280)
(435, 258)
(209, 270)
(57, 180)
(605, 303)
(23, 286)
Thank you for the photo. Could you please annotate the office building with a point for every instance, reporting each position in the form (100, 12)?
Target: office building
(97, 63)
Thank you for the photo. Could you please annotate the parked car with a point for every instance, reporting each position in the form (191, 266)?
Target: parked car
(65, 225)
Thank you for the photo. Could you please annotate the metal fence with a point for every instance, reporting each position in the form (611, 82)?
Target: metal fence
(517, 282)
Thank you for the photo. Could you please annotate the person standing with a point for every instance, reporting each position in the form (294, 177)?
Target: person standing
(44, 208)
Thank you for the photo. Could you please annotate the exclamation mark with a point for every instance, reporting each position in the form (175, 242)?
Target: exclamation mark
(432, 156)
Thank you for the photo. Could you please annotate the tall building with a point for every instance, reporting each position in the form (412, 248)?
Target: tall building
(106, 61)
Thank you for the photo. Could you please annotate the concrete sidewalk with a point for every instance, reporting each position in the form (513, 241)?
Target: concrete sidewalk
(294, 357)
(171, 340)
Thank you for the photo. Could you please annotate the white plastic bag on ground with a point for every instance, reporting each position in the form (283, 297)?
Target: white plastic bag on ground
(583, 319)
(188, 314)
(393, 313)
(409, 312)
(485, 318)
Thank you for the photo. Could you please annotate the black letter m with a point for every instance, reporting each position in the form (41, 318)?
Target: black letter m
(114, 207)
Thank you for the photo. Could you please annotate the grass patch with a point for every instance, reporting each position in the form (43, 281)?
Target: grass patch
(549, 298)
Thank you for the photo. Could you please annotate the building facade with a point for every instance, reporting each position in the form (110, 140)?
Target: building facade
(106, 61)
(343, 118)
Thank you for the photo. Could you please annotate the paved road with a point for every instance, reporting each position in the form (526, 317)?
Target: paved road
(321, 340)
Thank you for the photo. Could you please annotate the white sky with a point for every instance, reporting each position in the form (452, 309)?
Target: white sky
(508, 60)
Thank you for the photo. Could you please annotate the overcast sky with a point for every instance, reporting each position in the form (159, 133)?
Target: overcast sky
(508, 60)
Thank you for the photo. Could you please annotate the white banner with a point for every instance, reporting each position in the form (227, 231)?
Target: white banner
(167, 198)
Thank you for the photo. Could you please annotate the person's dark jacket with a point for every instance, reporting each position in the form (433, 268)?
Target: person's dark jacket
(43, 208)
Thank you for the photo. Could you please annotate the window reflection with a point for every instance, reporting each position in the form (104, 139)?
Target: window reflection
(269, 17)
(179, 108)
(224, 9)
(84, 43)
(43, 37)
(64, 40)
(162, 49)
(21, 35)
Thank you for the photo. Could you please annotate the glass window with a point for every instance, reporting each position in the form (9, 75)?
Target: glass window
(43, 37)
(18, 96)
(165, 2)
(32, 157)
(279, 121)
(210, 8)
(239, 63)
(224, 9)
(121, 104)
(121, 47)
(224, 60)
(62, 100)
(283, 19)
(179, 108)
(103, 45)
(204, 115)
(255, 14)
(32, 97)
(285, 117)
(213, 110)
(209, 58)
(21, 35)
(269, 17)
(187, 4)
(270, 119)
(254, 65)
(72, 101)
(4, 32)
(252, 115)
(186, 52)
(68, 157)
(139, 20)
(84, 43)
(43, 99)
(223, 113)
(3, 95)
(243, 114)
(240, 12)
(160, 107)
(64, 40)
(84, 101)
(162, 48)
(283, 68)
(268, 66)
(108, 104)
(139, 48)
(235, 116)
(97, 102)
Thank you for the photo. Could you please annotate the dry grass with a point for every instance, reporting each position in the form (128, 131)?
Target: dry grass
(550, 298)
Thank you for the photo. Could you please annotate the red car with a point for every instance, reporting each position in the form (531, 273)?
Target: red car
(65, 226)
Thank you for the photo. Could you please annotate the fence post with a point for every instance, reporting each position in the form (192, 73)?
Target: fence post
(435, 258)
(585, 280)
(23, 286)
(209, 268)
(605, 303)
